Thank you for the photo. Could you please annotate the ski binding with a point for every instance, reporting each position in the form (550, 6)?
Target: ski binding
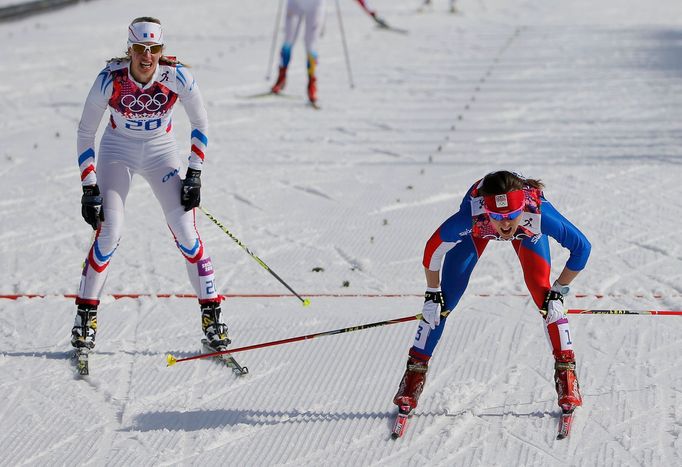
(226, 359)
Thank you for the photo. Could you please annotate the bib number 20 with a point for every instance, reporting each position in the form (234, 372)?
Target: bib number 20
(143, 125)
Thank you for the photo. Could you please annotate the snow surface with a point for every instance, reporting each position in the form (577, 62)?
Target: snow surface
(585, 95)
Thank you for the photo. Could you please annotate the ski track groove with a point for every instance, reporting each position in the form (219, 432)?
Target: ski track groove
(530, 444)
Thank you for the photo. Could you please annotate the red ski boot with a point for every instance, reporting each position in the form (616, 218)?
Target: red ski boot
(567, 387)
(312, 90)
(412, 383)
(281, 81)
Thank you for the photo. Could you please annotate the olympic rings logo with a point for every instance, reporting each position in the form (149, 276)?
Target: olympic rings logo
(144, 102)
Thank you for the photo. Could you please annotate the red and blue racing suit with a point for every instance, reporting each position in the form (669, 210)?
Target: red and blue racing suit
(459, 242)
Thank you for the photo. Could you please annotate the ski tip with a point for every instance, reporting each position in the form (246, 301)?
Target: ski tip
(565, 423)
(306, 302)
(171, 360)
(400, 421)
(83, 369)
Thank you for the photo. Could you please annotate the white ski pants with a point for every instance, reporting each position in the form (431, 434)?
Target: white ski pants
(156, 160)
(313, 12)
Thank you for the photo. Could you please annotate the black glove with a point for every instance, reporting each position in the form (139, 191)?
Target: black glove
(190, 196)
(91, 206)
(552, 295)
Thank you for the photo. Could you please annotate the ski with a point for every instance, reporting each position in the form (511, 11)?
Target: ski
(226, 359)
(565, 424)
(81, 356)
(269, 94)
(394, 29)
(401, 421)
(382, 24)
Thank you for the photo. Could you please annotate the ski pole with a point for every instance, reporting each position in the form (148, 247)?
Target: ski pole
(626, 312)
(305, 301)
(274, 40)
(345, 46)
(171, 360)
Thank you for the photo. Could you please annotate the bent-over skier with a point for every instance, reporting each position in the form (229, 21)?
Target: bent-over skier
(502, 206)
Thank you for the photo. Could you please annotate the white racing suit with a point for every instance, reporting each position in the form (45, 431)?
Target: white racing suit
(137, 140)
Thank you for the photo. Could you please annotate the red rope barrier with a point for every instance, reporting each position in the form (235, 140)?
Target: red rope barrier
(118, 296)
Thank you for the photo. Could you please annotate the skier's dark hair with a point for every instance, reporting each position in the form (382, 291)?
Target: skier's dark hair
(503, 181)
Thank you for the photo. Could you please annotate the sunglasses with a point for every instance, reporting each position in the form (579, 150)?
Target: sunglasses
(140, 48)
(510, 215)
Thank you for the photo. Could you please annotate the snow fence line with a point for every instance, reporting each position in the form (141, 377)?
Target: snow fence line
(24, 9)
(604, 311)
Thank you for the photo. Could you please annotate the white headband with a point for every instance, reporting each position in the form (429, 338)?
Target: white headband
(145, 32)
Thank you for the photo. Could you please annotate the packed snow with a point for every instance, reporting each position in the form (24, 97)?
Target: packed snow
(339, 202)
